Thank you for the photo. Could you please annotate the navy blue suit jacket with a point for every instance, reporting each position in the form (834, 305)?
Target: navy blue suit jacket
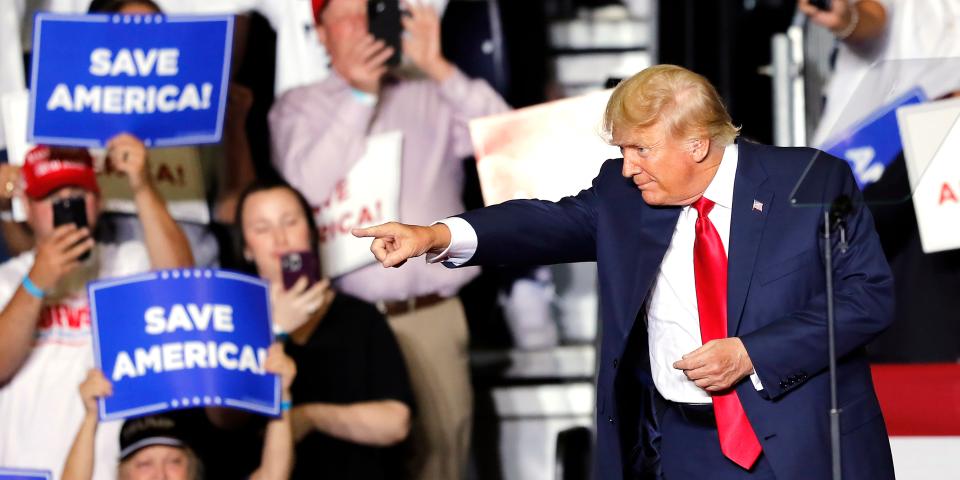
(776, 305)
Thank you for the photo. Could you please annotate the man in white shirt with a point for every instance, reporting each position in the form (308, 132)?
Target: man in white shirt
(697, 241)
(45, 337)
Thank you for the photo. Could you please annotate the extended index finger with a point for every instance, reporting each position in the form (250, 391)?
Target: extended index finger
(375, 231)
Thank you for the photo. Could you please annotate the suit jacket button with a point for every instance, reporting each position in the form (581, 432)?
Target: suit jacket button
(616, 362)
(610, 419)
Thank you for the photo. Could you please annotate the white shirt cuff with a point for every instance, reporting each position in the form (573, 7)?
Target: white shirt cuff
(755, 379)
(463, 243)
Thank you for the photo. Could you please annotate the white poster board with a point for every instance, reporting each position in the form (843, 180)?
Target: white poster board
(931, 148)
(369, 195)
(546, 151)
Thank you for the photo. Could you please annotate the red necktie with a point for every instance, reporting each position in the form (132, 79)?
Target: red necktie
(738, 442)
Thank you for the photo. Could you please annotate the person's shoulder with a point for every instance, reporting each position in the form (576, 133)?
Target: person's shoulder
(305, 96)
(12, 272)
(123, 258)
(19, 264)
(792, 160)
(611, 173)
(611, 166)
(803, 170)
(14, 268)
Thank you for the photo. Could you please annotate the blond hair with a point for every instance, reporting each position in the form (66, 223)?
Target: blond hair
(684, 102)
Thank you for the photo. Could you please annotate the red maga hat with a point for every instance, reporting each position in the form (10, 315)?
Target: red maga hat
(317, 8)
(46, 169)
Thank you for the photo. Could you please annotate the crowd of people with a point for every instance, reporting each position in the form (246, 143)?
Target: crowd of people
(374, 363)
(381, 388)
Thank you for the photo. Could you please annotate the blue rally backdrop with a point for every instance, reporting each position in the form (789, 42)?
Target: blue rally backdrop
(183, 338)
(163, 79)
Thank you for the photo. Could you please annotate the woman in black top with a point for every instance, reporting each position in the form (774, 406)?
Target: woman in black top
(351, 397)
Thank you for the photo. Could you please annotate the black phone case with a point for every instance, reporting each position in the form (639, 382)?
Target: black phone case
(71, 210)
(384, 24)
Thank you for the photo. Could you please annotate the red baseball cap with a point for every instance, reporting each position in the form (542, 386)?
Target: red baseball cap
(317, 8)
(46, 169)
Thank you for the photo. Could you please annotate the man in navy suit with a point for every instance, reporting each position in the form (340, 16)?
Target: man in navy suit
(714, 355)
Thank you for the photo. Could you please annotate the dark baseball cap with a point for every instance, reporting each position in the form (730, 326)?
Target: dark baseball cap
(139, 433)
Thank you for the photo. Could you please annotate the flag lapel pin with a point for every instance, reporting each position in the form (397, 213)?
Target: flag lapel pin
(758, 206)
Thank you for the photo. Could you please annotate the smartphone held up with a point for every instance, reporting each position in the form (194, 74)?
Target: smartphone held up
(384, 24)
(295, 265)
(71, 210)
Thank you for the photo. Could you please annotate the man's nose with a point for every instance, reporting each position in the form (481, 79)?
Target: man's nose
(631, 167)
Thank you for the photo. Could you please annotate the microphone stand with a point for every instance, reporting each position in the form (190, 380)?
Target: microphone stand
(834, 219)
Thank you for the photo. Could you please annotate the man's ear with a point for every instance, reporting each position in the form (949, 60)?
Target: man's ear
(699, 148)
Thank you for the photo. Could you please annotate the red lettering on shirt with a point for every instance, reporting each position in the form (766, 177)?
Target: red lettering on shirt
(64, 317)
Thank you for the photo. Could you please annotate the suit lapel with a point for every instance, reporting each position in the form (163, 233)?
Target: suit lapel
(746, 230)
(653, 233)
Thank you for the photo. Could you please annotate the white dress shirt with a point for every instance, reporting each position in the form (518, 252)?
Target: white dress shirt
(673, 320)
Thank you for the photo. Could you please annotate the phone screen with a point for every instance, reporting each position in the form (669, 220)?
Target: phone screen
(299, 264)
(384, 24)
(71, 210)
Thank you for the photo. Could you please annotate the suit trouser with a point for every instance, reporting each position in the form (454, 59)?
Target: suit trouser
(434, 343)
(690, 449)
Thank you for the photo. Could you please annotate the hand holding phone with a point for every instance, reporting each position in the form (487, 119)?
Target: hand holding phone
(71, 210)
(59, 254)
(834, 15)
(302, 295)
(421, 44)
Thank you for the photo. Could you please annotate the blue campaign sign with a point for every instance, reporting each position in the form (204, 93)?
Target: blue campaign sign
(24, 474)
(163, 79)
(872, 144)
(183, 338)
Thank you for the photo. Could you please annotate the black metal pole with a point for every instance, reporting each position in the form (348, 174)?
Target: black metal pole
(832, 350)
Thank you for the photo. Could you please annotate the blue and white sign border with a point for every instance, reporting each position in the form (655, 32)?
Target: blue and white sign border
(160, 406)
(117, 18)
(25, 473)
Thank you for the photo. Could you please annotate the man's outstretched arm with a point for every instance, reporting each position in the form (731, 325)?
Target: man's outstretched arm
(518, 232)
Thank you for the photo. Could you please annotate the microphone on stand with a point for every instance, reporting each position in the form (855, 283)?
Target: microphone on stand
(839, 209)
(834, 220)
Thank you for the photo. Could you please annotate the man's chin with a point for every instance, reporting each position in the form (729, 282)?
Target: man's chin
(652, 198)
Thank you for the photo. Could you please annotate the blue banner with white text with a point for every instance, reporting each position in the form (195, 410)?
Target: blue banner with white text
(161, 78)
(183, 338)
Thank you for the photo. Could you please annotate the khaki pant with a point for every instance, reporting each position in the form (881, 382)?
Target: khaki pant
(434, 341)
